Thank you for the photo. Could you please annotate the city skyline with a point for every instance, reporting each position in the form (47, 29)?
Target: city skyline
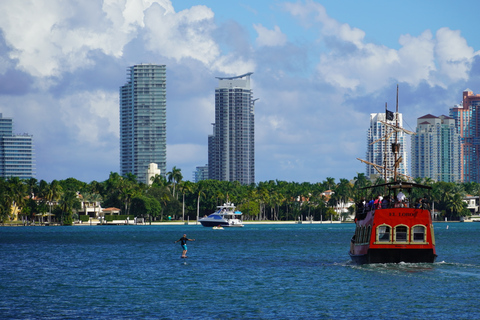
(320, 69)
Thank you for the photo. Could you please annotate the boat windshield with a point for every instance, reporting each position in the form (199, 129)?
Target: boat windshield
(215, 216)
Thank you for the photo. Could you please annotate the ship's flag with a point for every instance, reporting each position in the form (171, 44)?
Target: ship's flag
(389, 114)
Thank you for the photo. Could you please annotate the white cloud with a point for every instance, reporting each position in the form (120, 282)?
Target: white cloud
(186, 34)
(360, 65)
(312, 12)
(269, 38)
(454, 56)
(91, 115)
(233, 64)
(49, 37)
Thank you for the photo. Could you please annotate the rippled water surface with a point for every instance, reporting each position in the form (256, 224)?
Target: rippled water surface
(256, 272)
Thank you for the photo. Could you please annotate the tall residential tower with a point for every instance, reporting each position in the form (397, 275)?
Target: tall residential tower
(379, 151)
(436, 149)
(16, 152)
(467, 120)
(231, 148)
(143, 121)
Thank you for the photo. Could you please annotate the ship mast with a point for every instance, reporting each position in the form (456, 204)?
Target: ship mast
(385, 148)
(396, 146)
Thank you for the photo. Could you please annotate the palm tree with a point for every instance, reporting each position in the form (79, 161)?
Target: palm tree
(32, 187)
(329, 183)
(344, 191)
(455, 205)
(263, 197)
(199, 192)
(95, 198)
(361, 182)
(185, 187)
(15, 193)
(128, 190)
(174, 176)
(68, 202)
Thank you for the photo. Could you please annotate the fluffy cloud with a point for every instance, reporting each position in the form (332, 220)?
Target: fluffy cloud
(186, 34)
(91, 115)
(269, 38)
(51, 37)
(454, 56)
(355, 64)
(61, 40)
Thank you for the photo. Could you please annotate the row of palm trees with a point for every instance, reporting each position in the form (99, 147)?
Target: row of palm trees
(172, 197)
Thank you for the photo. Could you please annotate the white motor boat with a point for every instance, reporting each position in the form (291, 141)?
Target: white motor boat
(224, 216)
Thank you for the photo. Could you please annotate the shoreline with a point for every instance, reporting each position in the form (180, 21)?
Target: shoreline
(169, 223)
(193, 223)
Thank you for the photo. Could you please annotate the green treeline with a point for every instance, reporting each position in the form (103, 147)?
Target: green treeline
(181, 200)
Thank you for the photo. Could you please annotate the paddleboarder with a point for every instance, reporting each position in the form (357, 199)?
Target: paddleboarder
(183, 241)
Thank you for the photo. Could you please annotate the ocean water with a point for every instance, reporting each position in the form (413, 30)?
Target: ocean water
(255, 272)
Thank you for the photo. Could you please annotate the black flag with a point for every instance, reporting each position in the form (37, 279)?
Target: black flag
(389, 115)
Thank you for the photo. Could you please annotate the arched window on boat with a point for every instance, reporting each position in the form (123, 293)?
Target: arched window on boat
(401, 233)
(383, 233)
(419, 234)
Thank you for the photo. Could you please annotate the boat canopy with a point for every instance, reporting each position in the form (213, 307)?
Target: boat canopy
(399, 185)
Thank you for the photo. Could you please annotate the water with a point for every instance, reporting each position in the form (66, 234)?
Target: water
(255, 272)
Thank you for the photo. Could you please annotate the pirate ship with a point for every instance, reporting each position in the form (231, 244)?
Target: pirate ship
(393, 227)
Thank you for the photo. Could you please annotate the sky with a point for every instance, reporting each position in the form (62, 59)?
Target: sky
(320, 68)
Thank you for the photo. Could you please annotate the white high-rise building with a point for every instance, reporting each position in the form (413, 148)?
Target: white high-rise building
(17, 156)
(436, 149)
(231, 148)
(380, 151)
(143, 121)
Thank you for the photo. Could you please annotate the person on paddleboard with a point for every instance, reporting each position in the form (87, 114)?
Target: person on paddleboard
(183, 241)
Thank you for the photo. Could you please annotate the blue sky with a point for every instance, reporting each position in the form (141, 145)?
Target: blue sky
(320, 68)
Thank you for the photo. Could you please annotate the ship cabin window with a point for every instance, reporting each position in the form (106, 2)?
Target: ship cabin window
(418, 233)
(401, 233)
(367, 234)
(362, 234)
(383, 233)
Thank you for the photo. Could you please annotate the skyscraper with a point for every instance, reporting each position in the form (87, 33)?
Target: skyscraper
(201, 173)
(231, 148)
(378, 151)
(143, 121)
(467, 120)
(16, 152)
(436, 149)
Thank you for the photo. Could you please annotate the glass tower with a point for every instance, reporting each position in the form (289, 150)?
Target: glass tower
(467, 120)
(16, 152)
(231, 148)
(378, 151)
(436, 149)
(143, 121)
